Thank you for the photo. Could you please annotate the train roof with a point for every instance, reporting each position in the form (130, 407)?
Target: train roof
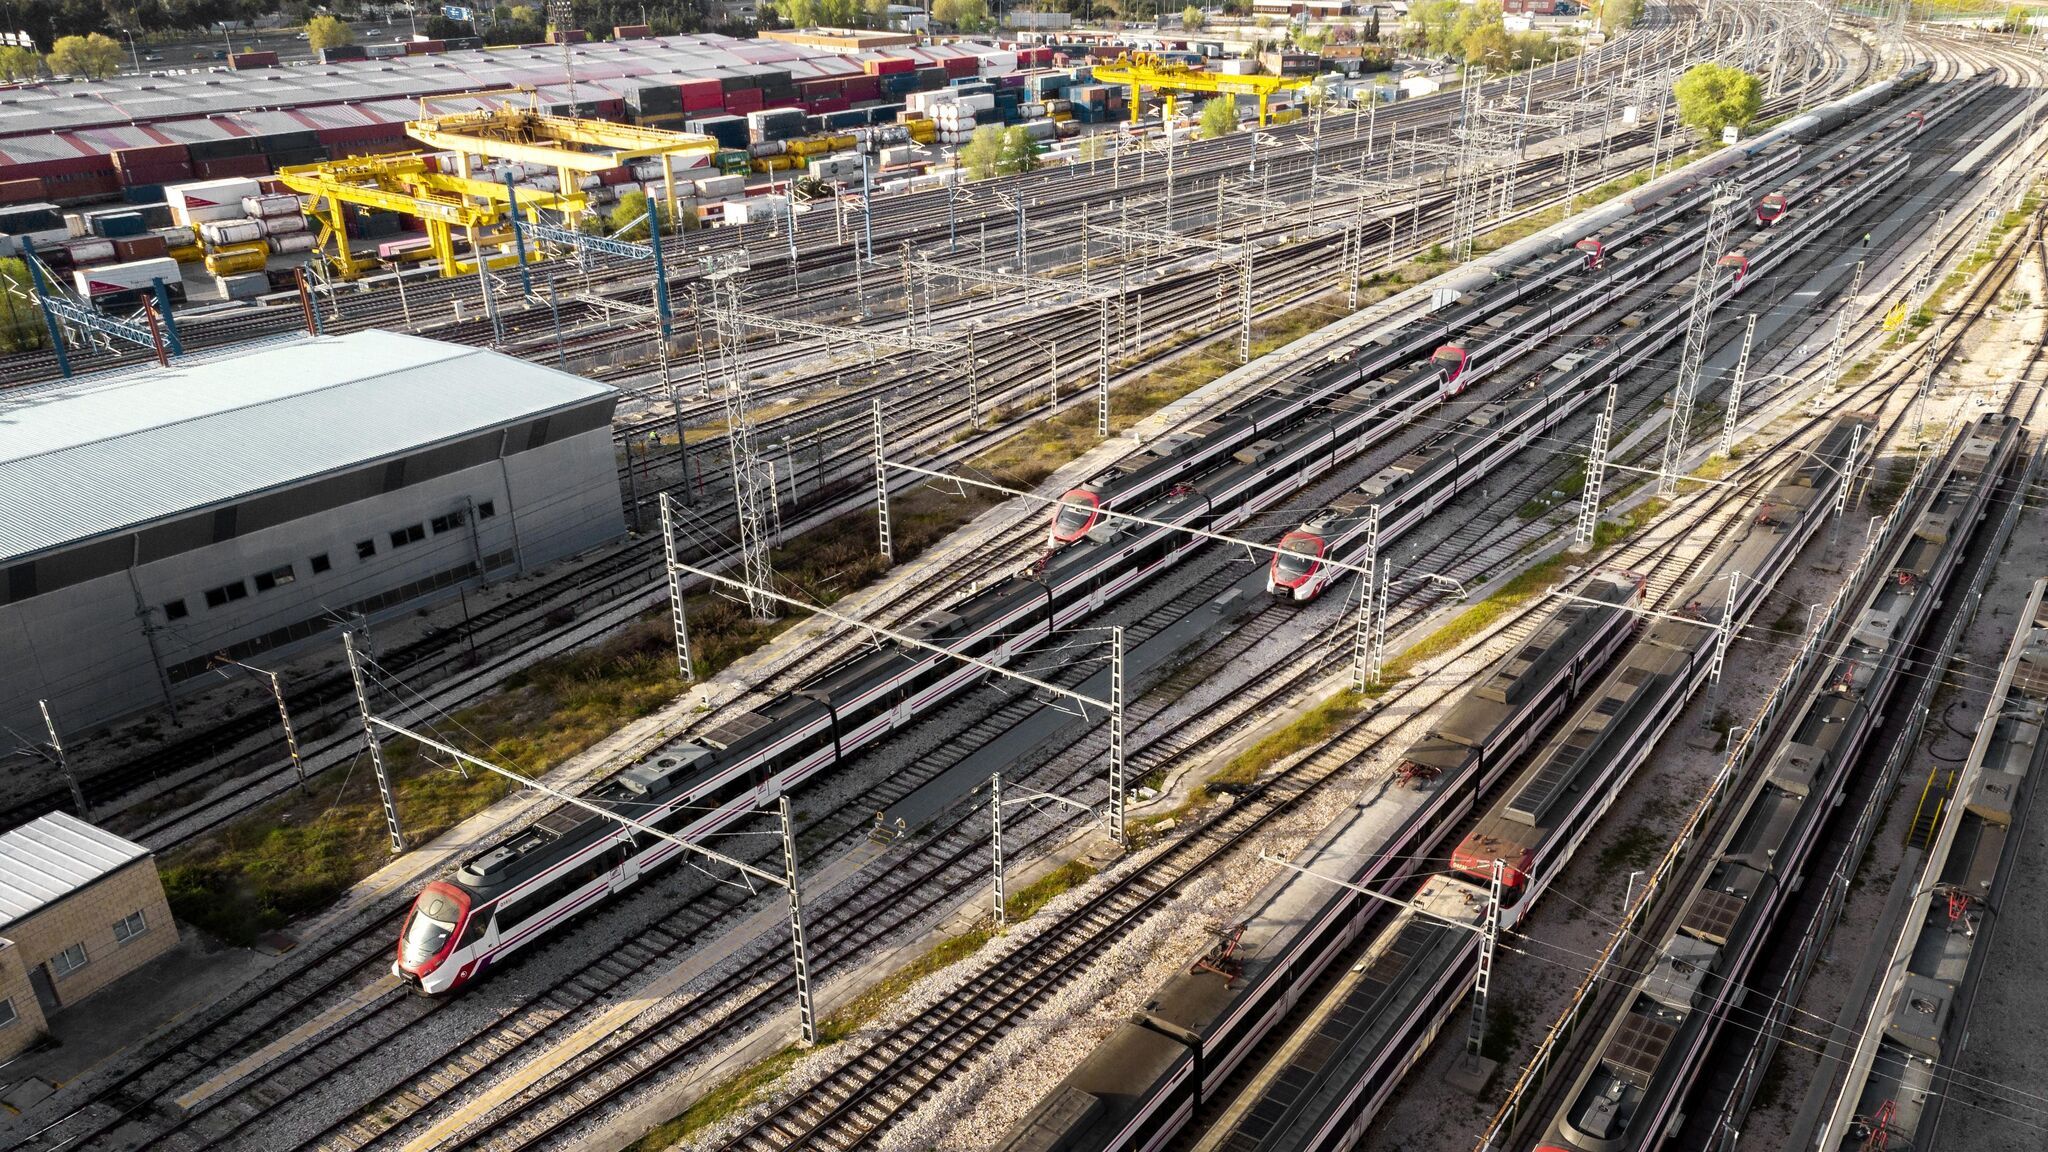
(1643, 672)
(1321, 1069)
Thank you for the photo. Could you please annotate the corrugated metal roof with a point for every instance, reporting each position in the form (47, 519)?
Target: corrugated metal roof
(53, 856)
(92, 458)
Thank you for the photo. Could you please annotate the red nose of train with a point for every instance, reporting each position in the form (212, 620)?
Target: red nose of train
(1475, 858)
(1078, 511)
(1299, 558)
(431, 930)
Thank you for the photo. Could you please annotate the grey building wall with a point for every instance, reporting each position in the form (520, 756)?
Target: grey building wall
(86, 647)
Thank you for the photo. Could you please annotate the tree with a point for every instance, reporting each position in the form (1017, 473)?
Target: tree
(877, 13)
(631, 206)
(1715, 96)
(982, 155)
(1617, 15)
(1019, 152)
(92, 56)
(21, 328)
(2016, 18)
(1219, 117)
(324, 32)
(1192, 17)
(19, 64)
(966, 15)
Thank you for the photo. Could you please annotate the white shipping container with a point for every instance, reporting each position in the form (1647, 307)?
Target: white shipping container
(10, 242)
(76, 225)
(899, 154)
(283, 245)
(842, 167)
(218, 232)
(203, 200)
(124, 277)
(271, 204)
(756, 210)
(90, 251)
(720, 187)
(176, 236)
(283, 225)
(980, 103)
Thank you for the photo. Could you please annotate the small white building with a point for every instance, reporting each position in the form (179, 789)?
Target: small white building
(253, 502)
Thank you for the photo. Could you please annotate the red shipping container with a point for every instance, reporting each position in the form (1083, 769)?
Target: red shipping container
(128, 248)
(743, 100)
(425, 47)
(890, 66)
(833, 104)
(959, 66)
(615, 176)
(699, 95)
(245, 60)
(821, 89)
(632, 32)
(21, 191)
(863, 88)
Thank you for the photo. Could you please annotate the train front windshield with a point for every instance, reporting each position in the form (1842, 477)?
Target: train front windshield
(1076, 516)
(433, 921)
(1297, 559)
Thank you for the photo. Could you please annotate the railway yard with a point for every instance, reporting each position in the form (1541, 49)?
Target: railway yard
(1485, 621)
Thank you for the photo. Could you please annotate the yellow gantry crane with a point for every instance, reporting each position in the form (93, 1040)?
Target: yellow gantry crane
(412, 184)
(408, 183)
(1145, 70)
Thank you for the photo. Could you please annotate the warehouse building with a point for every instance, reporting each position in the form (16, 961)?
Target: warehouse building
(252, 503)
(79, 908)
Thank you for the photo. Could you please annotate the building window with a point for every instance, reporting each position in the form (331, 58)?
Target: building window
(320, 563)
(486, 510)
(68, 961)
(176, 610)
(129, 927)
(265, 581)
(226, 593)
(444, 523)
(413, 535)
(6, 1012)
(365, 549)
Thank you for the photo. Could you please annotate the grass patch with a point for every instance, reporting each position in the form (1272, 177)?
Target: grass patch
(735, 1095)
(1568, 488)
(1519, 589)
(1307, 730)
(1609, 532)
(1632, 849)
(1504, 1024)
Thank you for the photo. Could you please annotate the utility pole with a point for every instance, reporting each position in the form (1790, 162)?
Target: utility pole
(355, 672)
(1730, 417)
(1102, 369)
(753, 505)
(1363, 674)
(63, 763)
(1466, 204)
(284, 716)
(806, 1011)
(1596, 472)
(1832, 375)
(882, 491)
(1699, 317)
(679, 622)
(1482, 978)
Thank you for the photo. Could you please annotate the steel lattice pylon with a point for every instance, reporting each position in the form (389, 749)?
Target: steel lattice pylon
(750, 501)
(1699, 317)
(1467, 204)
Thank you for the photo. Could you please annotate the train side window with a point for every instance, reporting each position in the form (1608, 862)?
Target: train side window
(474, 930)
